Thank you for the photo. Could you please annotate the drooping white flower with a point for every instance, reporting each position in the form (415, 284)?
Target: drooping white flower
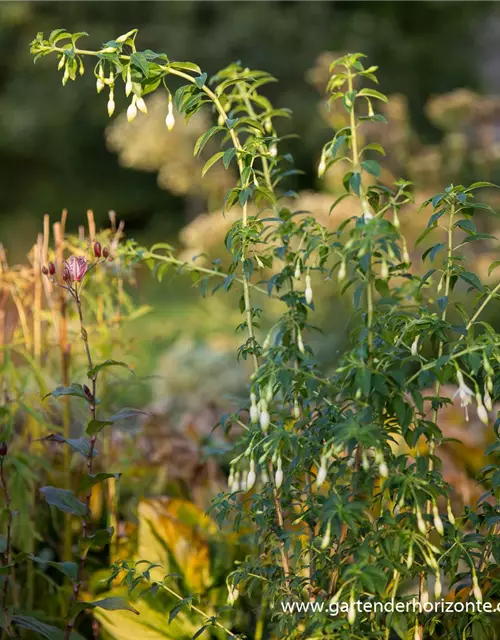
(308, 292)
(278, 476)
(128, 84)
(351, 614)
(325, 542)
(322, 166)
(451, 517)
(438, 589)
(342, 271)
(322, 472)
(265, 418)
(111, 103)
(421, 523)
(464, 393)
(438, 523)
(414, 346)
(476, 590)
(482, 414)
(383, 470)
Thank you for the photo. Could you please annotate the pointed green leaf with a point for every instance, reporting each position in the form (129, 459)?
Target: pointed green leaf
(69, 569)
(127, 412)
(113, 603)
(211, 161)
(96, 426)
(108, 363)
(88, 481)
(64, 500)
(73, 390)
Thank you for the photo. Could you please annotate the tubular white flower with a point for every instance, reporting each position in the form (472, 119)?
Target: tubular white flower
(308, 292)
(451, 517)
(351, 614)
(383, 470)
(414, 346)
(325, 542)
(298, 271)
(111, 103)
(476, 590)
(278, 476)
(296, 410)
(251, 477)
(438, 589)
(300, 343)
(438, 523)
(464, 393)
(322, 472)
(487, 401)
(128, 84)
(409, 559)
(265, 420)
(322, 166)
(421, 523)
(482, 414)
(342, 272)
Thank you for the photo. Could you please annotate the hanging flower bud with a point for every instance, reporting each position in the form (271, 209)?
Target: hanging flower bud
(421, 523)
(322, 165)
(278, 478)
(482, 414)
(371, 113)
(300, 342)
(128, 83)
(351, 614)
(438, 589)
(230, 479)
(264, 417)
(45, 271)
(298, 271)
(52, 269)
(97, 249)
(62, 62)
(424, 598)
(409, 559)
(414, 346)
(236, 482)
(451, 517)
(325, 543)
(489, 384)
(111, 102)
(254, 410)
(383, 470)
(81, 68)
(3, 449)
(296, 410)
(322, 471)
(132, 109)
(269, 393)
(141, 105)
(487, 401)
(273, 151)
(464, 393)
(99, 85)
(395, 219)
(308, 291)
(342, 271)
(88, 393)
(264, 478)
(438, 523)
(170, 119)
(232, 594)
(416, 633)
(476, 590)
(105, 252)
(65, 76)
(251, 477)
(365, 463)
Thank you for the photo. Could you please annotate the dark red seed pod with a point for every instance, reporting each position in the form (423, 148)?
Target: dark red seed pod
(52, 268)
(88, 393)
(105, 252)
(3, 449)
(45, 271)
(97, 249)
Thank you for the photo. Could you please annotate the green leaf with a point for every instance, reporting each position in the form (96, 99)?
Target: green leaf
(472, 279)
(89, 480)
(211, 161)
(45, 630)
(64, 500)
(200, 80)
(355, 182)
(69, 569)
(479, 185)
(228, 156)
(80, 445)
(139, 60)
(73, 390)
(108, 363)
(479, 236)
(96, 426)
(127, 412)
(203, 139)
(100, 538)
(185, 66)
(372, 166)
(372, 93)
(113, 603)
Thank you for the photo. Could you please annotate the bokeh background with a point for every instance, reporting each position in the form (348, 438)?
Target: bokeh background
(54, 150)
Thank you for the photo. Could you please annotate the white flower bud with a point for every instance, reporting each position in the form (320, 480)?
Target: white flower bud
(170, 119)
(342, 271)
(308, 291)
(111, 103)
(65, 76)
(383, 470)
(322, 166)
(236, 482)
(141, 105)
(298, 271)
(421, 523)
(476, 590)
(99, 84)
(325, 543)
(424, 598)
(230, 479)
(416, 633)
(322, 471)
(438, 523)
(482, 414)
(351, 614)
(487, 401)
(233, 594)
(278, 478)
(269, 393)
(451, 517)
(409, 559)
(296, 410)
(489, 384)
(251, 477)
(384, 270)
(128, 84)
(132, 110)
(265, 420)
(438, 589)
(300, 343)
(62, 62)
(414, 346)
(273, 151)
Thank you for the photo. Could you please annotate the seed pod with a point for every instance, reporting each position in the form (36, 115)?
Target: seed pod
(251, 477)
(45, 271)
(3, 449)
(52, 269)
(97, 249)
(105, 252)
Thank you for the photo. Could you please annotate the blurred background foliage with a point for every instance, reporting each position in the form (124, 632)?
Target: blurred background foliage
(53, 152)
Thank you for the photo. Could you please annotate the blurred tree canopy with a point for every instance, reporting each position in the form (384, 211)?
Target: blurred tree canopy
(52, 149)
